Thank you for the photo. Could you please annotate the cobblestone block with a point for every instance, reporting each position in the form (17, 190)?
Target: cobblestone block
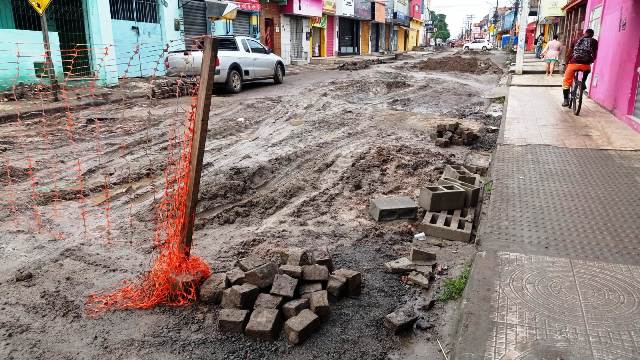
(393, 208)
(293, 307)
(262, 276)
(284, 285)
(250, 263)
(319, 304)
(211, 289)
(322, 257)
(297, 257)
(268, 301)
(400, 320)
(232, 320)
(240, 296)
(354, 281)
(442, 197)
(315, 273)
(400, 266)
(309, 288)
(451, 227)
(337, 286)
(264, 324)
(235, 277)
(300, 327)
(291, 270)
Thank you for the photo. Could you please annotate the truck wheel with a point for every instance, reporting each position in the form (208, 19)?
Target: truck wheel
(466, 48)
(484, 48)
(278, 75)
(234, 82)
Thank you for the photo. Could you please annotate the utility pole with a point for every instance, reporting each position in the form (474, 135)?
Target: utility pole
(48, 60)
(522, 37)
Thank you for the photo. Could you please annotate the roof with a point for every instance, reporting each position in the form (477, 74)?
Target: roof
(573, 3)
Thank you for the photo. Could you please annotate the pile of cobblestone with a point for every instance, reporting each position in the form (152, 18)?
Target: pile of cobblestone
(258, 296)
(453, 134)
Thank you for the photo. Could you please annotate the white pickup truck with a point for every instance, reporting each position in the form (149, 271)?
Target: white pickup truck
(240, 59)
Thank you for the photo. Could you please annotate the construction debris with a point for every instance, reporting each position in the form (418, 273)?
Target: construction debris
(453, 134)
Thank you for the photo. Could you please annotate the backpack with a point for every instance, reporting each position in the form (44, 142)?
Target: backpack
(583, 52)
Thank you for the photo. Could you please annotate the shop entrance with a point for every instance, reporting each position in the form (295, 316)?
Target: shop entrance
(348, 37)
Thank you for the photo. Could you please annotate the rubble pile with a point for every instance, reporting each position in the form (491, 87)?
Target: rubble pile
(360, 64)
(258, 297)
(459, 63)
(454, 134)
(23, 91)
(168, 88)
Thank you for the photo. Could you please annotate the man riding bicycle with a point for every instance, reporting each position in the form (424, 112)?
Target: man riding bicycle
(583, 54)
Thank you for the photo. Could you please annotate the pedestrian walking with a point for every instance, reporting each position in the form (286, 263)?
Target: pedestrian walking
(583, 54)
(538, 43)
(551, 54)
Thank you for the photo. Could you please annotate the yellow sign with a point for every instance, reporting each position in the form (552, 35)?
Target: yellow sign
(40, 5)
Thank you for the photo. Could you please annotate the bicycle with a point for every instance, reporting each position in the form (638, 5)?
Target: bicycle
(577, 89)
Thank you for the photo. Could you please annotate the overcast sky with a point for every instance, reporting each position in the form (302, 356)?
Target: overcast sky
(457, 11)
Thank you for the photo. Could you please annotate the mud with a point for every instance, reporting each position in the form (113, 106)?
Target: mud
(285, 166)
(464, 64)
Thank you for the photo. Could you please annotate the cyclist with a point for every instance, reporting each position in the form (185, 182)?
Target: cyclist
(583, 54)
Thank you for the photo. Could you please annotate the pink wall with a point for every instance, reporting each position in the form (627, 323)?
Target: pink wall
(330, 33)
(614, 76)
(303, 7)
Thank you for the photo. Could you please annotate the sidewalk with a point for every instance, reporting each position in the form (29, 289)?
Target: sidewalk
(558, 275)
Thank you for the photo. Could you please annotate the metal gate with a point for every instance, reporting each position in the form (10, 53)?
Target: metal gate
(296, 38)
(242, 24)
(194, 19)
(636, 109)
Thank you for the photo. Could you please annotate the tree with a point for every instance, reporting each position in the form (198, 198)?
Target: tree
(440, 23)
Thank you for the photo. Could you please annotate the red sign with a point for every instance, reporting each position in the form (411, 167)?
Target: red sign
(415, 10)
(248, 5)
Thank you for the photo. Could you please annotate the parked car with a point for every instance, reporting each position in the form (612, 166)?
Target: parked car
(240, 59)
(478, 44)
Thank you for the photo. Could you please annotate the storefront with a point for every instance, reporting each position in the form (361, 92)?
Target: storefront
(318, 36)
(415, 25)
(363, 13)
(377, 26)
(402, 24)
(348, 28)
(391, 32)
(329, 11)
(270, 26)
(296, 29)
(573, 26)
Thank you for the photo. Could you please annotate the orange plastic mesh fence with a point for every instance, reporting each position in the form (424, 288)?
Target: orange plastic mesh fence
(92, 165)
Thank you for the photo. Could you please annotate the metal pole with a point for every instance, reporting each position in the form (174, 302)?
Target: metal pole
(49, 61)
(199, 138)
(524, 15)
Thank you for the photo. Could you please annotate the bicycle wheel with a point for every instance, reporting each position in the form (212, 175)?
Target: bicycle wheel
(577, 101)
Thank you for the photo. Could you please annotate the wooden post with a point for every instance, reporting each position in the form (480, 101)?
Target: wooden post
(49, 60)
(199, 137)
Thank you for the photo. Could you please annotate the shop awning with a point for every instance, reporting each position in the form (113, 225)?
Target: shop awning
(221, 10)
(573, 3)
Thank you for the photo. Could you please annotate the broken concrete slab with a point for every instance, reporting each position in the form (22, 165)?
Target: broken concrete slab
(284, 285)
(419, 279)
(293, 307)
(420, 256)
(211, 290)
(442, 197)
(240, 296)
(400, 320)
(315, 273)
(262, 276)
(443, 225)
(294, 271)
(337, 286)
(264, 324)
(232, 320)
(354, 281)
(400, 266)
(249, 263)
(393, 208)
(319, 304)
(268, 301)
(235, 276)
(300, 327)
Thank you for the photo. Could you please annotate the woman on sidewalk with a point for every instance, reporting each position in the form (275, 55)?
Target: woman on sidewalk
(551, 54)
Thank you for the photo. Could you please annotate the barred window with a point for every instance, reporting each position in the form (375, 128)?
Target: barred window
(135, 10)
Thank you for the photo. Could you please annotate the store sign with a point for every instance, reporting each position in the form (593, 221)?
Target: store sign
(303, 7)
(318, 21)
(345, 7)
(379, 12)
(416, 9)
(551, 8)
(248, 5)
(363, 9)
(329, 7)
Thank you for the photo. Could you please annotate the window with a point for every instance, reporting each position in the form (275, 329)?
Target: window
(256, 47)
(245, 46)
(227, 45)
(594, 21)
(134, 10)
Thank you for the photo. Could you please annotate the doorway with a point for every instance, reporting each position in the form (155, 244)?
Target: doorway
(269, 33)
(316, 41)
(348, 37)
(296, 38)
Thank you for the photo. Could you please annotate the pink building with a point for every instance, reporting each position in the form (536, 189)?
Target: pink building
(615, 75)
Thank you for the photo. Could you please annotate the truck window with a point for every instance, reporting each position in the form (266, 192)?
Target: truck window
(245, 46)
(256, 47)
(227, 45)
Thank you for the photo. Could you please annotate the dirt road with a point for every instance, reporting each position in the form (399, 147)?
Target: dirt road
(289, 165)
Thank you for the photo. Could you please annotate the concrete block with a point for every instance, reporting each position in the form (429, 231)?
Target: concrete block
(292, 270)
(284, 285)
(400, 320)
(315, 273)
(393, 208)
(297, 257)
(249, 263)
(300, 327)
(309, 288)
(337, 286)
(400, 266)
(419, 279)
(322, 257)
(354, 281)
(293, 307)
(319, 304)
(232, 320)
(235, 277)
(442, 197)
(240, 296)
(262, 276)
(264, 324)
(460, 173)
(268, 301)
(451, 227)
(420, 256)
(211, 290)
(472, 191)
